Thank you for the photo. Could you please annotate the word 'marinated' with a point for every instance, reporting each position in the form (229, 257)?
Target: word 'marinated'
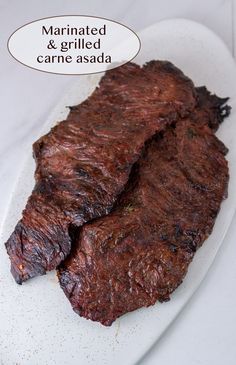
(68, 30)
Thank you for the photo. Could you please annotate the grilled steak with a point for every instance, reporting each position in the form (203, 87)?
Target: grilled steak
(140, 252)
(84, 162)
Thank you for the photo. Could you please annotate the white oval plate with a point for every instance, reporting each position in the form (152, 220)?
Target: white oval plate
(37, 323)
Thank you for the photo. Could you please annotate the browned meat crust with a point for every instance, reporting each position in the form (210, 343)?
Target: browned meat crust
(85, 161)
(140, 252)
(211, 109)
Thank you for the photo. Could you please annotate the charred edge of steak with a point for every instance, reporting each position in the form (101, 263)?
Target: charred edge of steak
(214, 106)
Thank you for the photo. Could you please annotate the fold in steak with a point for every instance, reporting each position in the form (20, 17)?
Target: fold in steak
(84, 162)
(141, 251)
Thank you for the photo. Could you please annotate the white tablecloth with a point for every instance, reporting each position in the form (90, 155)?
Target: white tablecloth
(205, 332)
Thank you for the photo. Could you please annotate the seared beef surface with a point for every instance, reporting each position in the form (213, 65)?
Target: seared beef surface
(140, 252)
(84, 162)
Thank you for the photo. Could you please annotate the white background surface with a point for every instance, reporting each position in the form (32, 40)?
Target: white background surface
(205, 332)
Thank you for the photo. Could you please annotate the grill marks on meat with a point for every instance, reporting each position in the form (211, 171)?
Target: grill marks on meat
(84, 162)
(141, 251)
(131, 150)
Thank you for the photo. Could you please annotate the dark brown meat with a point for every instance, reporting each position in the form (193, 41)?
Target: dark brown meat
(85, 161)
(211, 109)
(140, 252)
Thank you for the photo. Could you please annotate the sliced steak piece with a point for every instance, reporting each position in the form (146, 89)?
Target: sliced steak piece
(84, 162)
(140, 252)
